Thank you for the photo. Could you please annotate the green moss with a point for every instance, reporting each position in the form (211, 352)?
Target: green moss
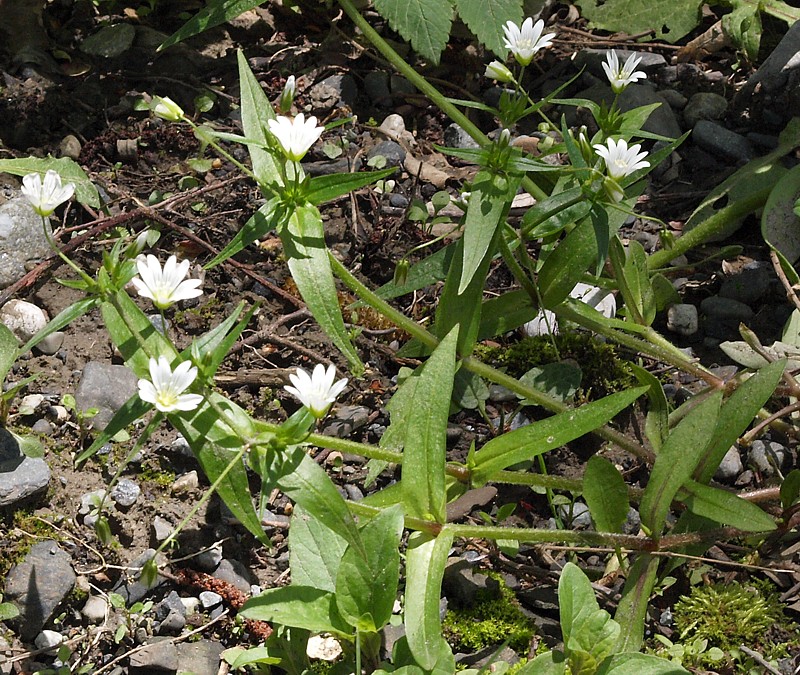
(604, 371)
(159, 476)
(26, 521)
(490, 621)
(728, 615)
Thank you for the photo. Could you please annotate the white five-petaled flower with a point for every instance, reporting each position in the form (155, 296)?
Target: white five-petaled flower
(621, 76)
(296, 135)
(499, 71)
(524, 42)
(621, 160)
(165, 387)
(167, 109)
(316, 391)
(164, 286)
(46, 196)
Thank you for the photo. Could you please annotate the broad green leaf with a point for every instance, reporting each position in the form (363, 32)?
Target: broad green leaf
(215, 13)
(64, 318)
(424, 23)
(725, 507)
(505, 313)
(304, 244)
(639, 664)
(780, 224)
(426, 557)
(485, 18)
(790, 488)
(656, 426)
(299, 607)
(565, 266)
(216, 447)
(558, 380)
(8, 350)
(540, 437)
(402, 656)
(322, 189)
(489, 201)
(306, 483)
(743, 26)
(29, 445)
(315, 551)
(593, 639)
(736, 415)
(366, 588)
(549, 663)
(8, 611)
(68, 169)
(469, 390)
(425, 436)
(669, 20)
(273, 215)
(677, 460)
(606, 494)
(575, 599)
(239, 657)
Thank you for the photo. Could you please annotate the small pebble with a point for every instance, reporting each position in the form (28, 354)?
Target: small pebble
(210, 599)
(125, 493)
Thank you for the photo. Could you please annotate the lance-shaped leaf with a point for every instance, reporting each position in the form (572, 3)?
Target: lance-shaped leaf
(632, 608)
(489, 201)
(630, 270)
(566, 265)
(304, 243)
(656, 426)
(724, 507)
(64, 318)
(426, 558)
(321, 189)
(299, 607)
(215, 13)
(677, 460)
(425, 436)
(540, 437)
(606, 494)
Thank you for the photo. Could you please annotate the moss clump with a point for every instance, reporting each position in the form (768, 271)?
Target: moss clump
(604, 371)
(728, 615)
(158, 476)
(490, 621)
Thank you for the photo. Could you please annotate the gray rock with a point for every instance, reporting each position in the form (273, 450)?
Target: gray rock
(730, 466)
(393, 124)
(210, 599)
(50, 345)
(662, 120)
(397, 200)
(235, 574)
(575, 515)
(22, 318)
(716, 307)
(682, 319)
(676, 100)
(129, 586)
(42, 426)
(704, 106)
(48, 639)
(766, 457)
(22, 239)
(391, 151)
(464, 586)
(749, 285)
(161, 529)
(456, 137)
(95, 609)
(210, 559)
(186, 482)
(400, 86)
(159, 657)
(106, 387)
(20, 476)
(500, 394)
(161, 324)
(125, 493)
(376, 87)
(38, 584)
(633, 522)
(70, 147)
(171, 614)
(336, 90)
(722, 142)
(200, 658)
(348, 419)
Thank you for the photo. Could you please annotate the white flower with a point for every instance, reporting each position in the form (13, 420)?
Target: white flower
(499, 71)
(295, 136)
(288, 94)
(621, 77)
(316, 391)
(526, 41)
(165, 391)
(546, 322)
(167, 109)
(621, 160)
(164, 286)
(46, 197)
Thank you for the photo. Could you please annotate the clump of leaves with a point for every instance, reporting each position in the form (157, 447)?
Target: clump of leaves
(727, 615)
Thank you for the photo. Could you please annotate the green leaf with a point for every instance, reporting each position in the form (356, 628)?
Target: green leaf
(299, 607)
(489, 201)
(725, 507)
(592, 641)
(566, 265)
(553, 214)
(426, 557)
(320, 189)
(632, 608)
(215, 13)
(558, 380)
(304, 243)
(469, 390)
(426, 272)
(256, 113)
(239, 657)
(424, 23)
(8, 611)
(790, 488)
(213, 347)
(656, 426)
(535, 439)
(30, 446)
(485, 18)
(64, 318)
(743, 26)
(366, 588)
(505, 313)
(68, 169)
(549, 663)
(669, 20)
(425, 437)
(270, 216)
(736, 414)
(779, 222)
(639, 664)
(630, 270)
(8, 350)
(606, 494)
(131, 410)
(315, 551)
(575, 599)
(677, 460)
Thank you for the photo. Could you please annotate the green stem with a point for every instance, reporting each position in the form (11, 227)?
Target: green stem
(57, 250)
(536, 536)
(222, 152)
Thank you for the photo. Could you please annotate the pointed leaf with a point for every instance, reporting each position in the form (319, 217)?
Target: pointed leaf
(315, 551)
(485, 18)
(215, 13)
(424, 23)
(565, 266)
(320, 189)
(725, 507)
(606, 494)
(299, 607)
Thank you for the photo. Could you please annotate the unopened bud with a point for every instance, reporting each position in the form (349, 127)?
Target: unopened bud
(287, 95)
(499, 71)
(167, 109)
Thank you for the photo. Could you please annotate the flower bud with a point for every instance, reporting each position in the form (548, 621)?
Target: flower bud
(287, 95)
(167, 109)
(499, 71)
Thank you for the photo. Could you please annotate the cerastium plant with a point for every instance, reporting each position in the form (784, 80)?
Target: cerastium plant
(345, 557)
